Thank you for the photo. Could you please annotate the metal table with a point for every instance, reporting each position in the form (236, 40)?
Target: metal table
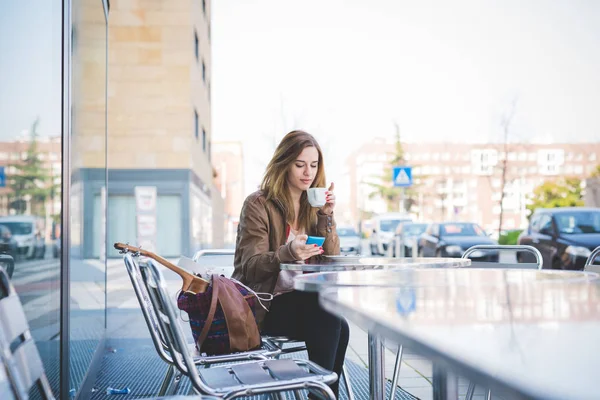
(529, 334)
(346, 266)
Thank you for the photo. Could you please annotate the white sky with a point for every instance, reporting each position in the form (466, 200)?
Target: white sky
(444, 70)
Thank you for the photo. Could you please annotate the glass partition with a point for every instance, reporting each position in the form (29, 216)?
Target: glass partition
(87, 261)
(30, 165)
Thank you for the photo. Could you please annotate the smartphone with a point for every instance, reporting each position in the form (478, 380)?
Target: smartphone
(315, 240)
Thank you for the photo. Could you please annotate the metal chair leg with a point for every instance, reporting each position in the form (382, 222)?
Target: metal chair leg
(166, 382)
(346, 378)
(470, 391)
(396, 377)
(489, 395)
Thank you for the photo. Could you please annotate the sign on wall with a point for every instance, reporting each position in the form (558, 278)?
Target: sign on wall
(145, 210)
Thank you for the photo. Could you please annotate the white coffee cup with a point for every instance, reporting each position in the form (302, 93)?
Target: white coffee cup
(317, 197)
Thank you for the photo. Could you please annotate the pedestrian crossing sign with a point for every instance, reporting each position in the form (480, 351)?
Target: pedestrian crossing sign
(402, 176)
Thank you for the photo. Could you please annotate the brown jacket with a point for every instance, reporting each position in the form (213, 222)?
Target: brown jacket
(261, 244)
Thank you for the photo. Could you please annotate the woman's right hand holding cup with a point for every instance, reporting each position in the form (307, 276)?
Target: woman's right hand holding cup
(302, 250)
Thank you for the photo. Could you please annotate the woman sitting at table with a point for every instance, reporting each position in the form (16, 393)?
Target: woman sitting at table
(273, 229)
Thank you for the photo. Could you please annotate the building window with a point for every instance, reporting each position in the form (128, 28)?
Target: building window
(196, 124)
(196, 45)
(483, 161)
(203, 139)
(550, 161)
(592, 157)
(203, 72)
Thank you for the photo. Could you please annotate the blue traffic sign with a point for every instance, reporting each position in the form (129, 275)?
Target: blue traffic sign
(2, 177)
(402, 176)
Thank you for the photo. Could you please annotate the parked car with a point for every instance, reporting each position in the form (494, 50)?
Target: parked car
(27, 231)
(451, 239)
(349, 240)
(8, 244)
(384, 226)
(407, 234)
(564, 236)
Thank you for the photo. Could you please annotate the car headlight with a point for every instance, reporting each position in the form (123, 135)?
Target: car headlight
(578, 251)
(454, 249)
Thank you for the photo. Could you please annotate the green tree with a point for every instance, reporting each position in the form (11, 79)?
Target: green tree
(384, 188)
(30, 181)
(596, 172)
(565, 192)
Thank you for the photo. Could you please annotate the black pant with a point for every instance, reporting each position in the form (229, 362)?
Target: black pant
(299, 316)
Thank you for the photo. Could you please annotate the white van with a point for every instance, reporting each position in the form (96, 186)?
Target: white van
(28, 231)
(384, 226)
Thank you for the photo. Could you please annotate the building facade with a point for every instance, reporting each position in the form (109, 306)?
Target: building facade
(159, 128)
(228, 159)
(462, 182)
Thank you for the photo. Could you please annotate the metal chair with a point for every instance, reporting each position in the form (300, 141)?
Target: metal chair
(138, 275)
(589, 263)
(224, 258)
(250, 378)
(22, 363)
(482, 248)
(480, 264)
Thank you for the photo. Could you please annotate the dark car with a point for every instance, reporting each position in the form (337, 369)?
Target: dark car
(407, 233)
(451, 239)
(8, 244)
(564, 236)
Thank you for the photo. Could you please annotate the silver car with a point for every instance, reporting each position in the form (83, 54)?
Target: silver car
(349, 240)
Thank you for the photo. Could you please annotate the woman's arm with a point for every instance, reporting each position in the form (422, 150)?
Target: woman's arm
(326, 228)
(253, 253)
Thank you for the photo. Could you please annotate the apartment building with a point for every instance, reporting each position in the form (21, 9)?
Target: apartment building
(462, 182)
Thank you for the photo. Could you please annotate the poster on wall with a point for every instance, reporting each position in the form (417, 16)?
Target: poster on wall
(145, 211)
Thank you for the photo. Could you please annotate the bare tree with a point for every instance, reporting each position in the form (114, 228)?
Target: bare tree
(505, 123)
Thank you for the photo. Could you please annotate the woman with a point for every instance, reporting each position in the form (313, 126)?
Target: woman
(273, 228)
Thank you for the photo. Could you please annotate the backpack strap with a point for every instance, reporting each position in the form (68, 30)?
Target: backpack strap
(211, 313)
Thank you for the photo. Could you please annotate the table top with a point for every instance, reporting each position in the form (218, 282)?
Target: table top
(459, 277)
(527, 333)
(352, 263)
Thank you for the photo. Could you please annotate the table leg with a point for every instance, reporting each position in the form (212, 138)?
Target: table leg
(376, 368)
(445, 384)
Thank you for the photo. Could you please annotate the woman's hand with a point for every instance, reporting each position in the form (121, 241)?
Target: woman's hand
(327, 209)
(302, 250)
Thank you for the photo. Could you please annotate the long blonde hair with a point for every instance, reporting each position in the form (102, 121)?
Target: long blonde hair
(275, 185)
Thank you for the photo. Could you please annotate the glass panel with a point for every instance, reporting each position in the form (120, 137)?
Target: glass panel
(88, 186)
(30, 165)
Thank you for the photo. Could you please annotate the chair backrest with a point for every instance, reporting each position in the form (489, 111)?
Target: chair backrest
(589, 263)
(480, 250)
(147, 307)
(18, 351)
(219, 259)
(169, 322)
(7, 391)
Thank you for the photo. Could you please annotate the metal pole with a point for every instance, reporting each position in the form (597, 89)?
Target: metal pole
(376, 368)
(445, 384)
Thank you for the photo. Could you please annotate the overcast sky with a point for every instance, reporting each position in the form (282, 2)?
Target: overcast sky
(345, 70)
(444, 70)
